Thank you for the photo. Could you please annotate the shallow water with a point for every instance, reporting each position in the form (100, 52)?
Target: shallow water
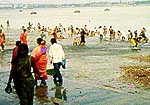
(121, 18)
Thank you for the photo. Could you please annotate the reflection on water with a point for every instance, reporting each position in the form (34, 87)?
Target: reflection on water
(41, 93)
(60, 94)
(1, 59)
(42, 98)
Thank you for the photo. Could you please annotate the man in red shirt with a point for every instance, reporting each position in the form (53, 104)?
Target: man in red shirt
(23, 37)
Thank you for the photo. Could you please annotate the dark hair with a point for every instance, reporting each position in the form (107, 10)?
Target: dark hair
(18, 43)
(53, 40)
(23, 50)
(24, 30)
(39, 40)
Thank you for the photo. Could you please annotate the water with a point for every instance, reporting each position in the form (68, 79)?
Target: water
(121, 18)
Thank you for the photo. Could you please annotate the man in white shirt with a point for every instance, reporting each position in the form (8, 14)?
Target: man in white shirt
(57, 55)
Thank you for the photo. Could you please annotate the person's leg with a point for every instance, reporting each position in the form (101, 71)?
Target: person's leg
(57, 72)
(22, 95)
(30, 92)
(2, 46)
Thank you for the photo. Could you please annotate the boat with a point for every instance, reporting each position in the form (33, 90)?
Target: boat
(76, 11)
(21, 10)
(33, 12)
(107, 9)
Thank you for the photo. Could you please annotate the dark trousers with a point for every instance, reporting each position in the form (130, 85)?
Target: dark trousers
(57, 74)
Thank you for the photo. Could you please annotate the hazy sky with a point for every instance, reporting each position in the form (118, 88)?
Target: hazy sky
(60, 1)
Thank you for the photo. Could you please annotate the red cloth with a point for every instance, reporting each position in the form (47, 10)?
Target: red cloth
(23, 38)
(2, 38)
(40, 63)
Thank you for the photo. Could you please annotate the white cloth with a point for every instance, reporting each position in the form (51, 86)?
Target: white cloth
(56, 53)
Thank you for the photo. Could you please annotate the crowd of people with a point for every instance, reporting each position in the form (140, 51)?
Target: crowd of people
(79, 34)
(28, 70)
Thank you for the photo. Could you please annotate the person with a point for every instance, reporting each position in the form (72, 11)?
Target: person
(82, 41)
(130, 35)
(57, 55)
(14, 54)
(2, 40)
(42, 35)
(40, 58)
(118, 35)
(105, 32)
(23, 37)
(8, 24)
(101, 33)
(143, 36)
(22, 76)
(111, 32)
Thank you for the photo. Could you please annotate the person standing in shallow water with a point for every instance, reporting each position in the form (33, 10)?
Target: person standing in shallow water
(22, 76)
(23, 37)
(57, 55)
(40, 58)
(2, 40)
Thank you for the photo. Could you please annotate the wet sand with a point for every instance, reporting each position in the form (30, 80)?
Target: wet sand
(91, 77)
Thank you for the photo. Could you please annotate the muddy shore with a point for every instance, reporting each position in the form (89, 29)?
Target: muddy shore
(92, 76)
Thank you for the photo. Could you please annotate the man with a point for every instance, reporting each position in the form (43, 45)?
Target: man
(2, 39)
(23, 37)
(56, 57)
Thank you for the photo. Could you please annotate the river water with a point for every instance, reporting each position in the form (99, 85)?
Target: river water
(121, 18)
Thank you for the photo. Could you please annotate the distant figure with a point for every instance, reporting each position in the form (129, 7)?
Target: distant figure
(130, 35)
(144, 38)
(39, 26)
(118, 35)
(8, 24)
(23, 37)
(42, 35)
(57, 55)
(111, 31)
(22, 76)
(86, 30)
(101, 33)
(2, 40)
(104, 32)
(82, 42)
(54, 33)
(1, 26)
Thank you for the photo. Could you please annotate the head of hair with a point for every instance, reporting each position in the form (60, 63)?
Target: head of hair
(38, 40)
(22, 50)
(18, 43)
(24, 30)
(0, 30)
(53, 40)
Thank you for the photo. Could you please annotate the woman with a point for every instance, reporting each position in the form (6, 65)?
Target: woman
(22, 76)
(40, 58)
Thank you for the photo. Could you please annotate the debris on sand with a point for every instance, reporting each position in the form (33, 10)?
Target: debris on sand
(139, 75)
